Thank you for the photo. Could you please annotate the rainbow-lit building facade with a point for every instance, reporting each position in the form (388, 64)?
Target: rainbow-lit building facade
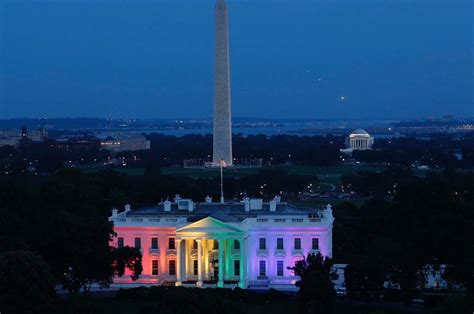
(248, 244)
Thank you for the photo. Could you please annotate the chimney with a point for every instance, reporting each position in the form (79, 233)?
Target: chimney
(127, 208)
(177, 198)
(246, 202)
(167, 205)
(208, 199)
(114, 212)
(190, 206)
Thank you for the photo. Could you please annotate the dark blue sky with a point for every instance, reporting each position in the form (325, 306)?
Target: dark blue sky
(289, 58)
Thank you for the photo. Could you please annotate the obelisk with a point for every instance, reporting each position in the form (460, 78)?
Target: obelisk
(222, 132)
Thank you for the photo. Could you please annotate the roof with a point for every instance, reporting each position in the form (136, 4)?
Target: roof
(226, 212)
(359, 132)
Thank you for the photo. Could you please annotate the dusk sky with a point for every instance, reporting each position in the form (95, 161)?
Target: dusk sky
(289, 58)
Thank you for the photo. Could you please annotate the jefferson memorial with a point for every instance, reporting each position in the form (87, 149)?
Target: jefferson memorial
(358, 140)
(247, 244)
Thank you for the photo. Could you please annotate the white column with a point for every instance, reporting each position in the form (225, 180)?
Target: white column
(178, 263)
(242, 281)
(199, 260)
(220, 282)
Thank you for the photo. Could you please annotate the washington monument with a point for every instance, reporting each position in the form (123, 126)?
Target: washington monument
(222, 132)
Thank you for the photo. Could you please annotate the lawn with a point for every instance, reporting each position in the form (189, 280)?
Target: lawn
(329, 175)
(127, 171)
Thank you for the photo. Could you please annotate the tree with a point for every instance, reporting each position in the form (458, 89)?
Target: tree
(26, 285)
(364, 279)
(127, 257)
(316, 291)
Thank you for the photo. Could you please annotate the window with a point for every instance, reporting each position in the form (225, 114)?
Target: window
(171, 245)
(236, 245)
(154, 243)
(280, 268)
(215, 245)
(297, 243)
(138, 243)
(154, 268)
(262, 268)
(195, 245)
(236, 267)
(120, 242)
(172, 267)
(262, 244)
(315, 244)
(279, 243)
(195, 267)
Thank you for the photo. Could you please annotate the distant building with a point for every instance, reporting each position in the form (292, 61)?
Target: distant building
(358, 140)
(212, 244)
(120, 143)
(75, 143)
(14, 137)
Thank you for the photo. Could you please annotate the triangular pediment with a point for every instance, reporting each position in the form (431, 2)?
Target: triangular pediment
(209, 225)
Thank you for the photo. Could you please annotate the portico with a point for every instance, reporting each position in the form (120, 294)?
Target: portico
(210, 250)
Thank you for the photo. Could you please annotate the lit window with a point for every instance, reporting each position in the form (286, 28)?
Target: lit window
(236, 267)
(172, 267)
(154, 243)
(262, 268)
(171, 245)
(279, 268)
(297, 243)
(279, 243)
(195, 267)
(154, 268)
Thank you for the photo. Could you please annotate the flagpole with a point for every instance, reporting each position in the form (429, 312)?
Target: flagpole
(222, 181)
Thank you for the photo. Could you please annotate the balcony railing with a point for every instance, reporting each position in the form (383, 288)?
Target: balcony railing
(262, 252)
(297, 252)
(154, 251)
(170, 251)
(280, 252)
